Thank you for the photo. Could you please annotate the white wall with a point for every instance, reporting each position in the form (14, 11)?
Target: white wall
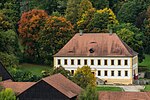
(101, 67)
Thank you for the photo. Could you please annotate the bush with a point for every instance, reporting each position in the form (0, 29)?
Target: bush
(7, 94)
(8, 60)
(89, 93)
(23, 76)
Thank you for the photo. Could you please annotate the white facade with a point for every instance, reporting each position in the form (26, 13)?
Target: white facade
(122, 71)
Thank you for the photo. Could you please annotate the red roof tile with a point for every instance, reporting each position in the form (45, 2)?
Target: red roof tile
(103, 44)
(17, 87)
(124, 96)
(64, 85)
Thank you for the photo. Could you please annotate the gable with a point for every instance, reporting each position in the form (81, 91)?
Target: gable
(4, 74)
(42, 91)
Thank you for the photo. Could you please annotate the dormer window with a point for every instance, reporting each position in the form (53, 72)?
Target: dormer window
(91, 50)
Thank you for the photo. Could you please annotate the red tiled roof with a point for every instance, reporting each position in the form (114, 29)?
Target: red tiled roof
(103, 44)
(124, 96)
(64, 85)
(17, 87)
(58, 81)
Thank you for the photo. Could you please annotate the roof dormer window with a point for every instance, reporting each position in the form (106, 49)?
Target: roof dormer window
(91, 50)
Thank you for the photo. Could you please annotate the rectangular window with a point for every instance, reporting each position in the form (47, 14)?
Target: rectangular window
(59, 62)
(112, 73)
(105, 62)
(79, 62)
(105, 73)
(85, 62)
(72, 62)
(126, 73)
(99, 73)
(65, 62)
(99, 62)
(119, 73)
(112, 62)
(125, 62)
(92, 62)
(119, 62)
(72, 72)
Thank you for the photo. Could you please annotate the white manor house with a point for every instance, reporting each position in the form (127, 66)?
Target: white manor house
(110, 59)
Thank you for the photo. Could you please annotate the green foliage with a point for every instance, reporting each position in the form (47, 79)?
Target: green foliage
(97, 21)
(84, 6)
(89, 93)
(61, 70)
(8, 60)
(131, 9)
(132, 36)
(23, 76)
(55, 34)
(84, 77)
(100, 4)
(71, 13)
(7, 94)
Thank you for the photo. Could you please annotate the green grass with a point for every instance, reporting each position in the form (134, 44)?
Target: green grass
(106, 88)
(35, 69)
(146, 61)
(147, 88)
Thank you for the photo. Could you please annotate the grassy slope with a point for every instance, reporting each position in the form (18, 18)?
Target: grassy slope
(103, 88)
(145, 65)
(35, 69)
(147, 88)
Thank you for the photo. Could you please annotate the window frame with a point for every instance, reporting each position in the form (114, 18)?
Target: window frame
(113, 62)
(120, 62)
(126, 63)
(85, 60)
(58, 61)
(105, 63)
(113, 73)
(99, 73)
(92, 61)
(98, 62)
(72, 61)
(79, 62)
(105, 74)
(65, 62)
(119, 73)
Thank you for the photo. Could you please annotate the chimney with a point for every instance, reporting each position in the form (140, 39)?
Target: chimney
(110, 31)
(81, 32)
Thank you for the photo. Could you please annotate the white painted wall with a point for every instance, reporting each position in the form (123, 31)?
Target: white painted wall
(101, 67)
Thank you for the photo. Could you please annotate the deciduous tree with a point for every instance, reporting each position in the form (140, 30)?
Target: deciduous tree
(7, 94)
(84, 77)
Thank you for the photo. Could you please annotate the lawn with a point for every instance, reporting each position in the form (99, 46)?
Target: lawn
(147, 88)
(145, 65)
(35, 69)
(107, 88)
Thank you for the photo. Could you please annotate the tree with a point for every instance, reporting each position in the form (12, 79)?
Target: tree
(84, 6)
(84, 77)
(55, 34)
(131, 9)
(100, 4)
(146, 29)
(7, 94)
(30, 25)
(89, 93)
(97, 21)
(71, 13)
(132, 36)
(62, 70)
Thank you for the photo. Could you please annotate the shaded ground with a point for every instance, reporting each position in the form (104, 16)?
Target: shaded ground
(145, 65)
(35, 69)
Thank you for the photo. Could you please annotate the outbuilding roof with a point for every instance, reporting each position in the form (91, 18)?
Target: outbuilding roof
(96, 45)
(57, 81)
(124, 96)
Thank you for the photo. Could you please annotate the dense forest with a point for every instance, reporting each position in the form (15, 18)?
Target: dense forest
(33, 31)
